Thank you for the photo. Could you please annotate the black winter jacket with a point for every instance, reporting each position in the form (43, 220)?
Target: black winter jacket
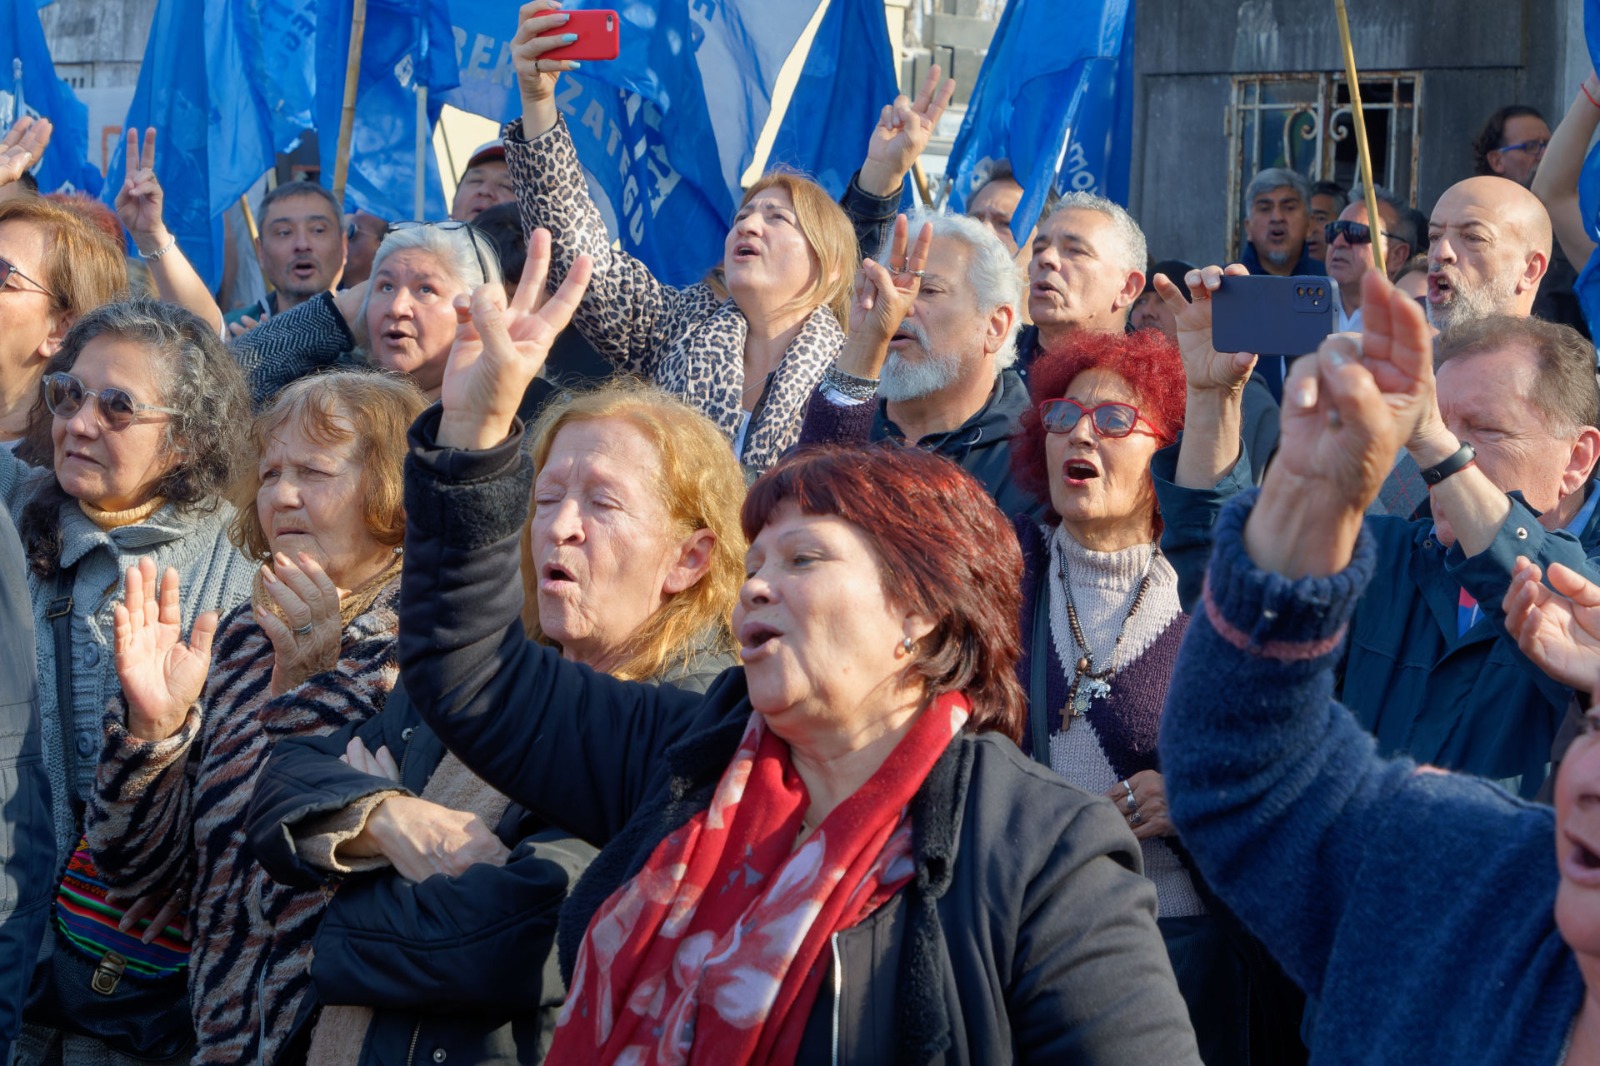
(456, 969)
(1027, 932)
(27, 828)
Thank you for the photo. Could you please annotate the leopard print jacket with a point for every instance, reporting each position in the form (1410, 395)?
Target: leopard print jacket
(689, 341)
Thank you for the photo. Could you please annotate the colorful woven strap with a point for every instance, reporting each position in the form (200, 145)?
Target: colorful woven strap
(88, 922)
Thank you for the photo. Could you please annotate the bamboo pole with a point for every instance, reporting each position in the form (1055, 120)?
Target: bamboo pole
(249, 218)
(347, 117)
(922, 182)
(1374, 220)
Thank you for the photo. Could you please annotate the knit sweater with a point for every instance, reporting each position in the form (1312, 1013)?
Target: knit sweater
(1415, 907)
(169, 816)
(1116, 736)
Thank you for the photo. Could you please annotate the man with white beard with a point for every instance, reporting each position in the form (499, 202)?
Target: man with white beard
(1488, 247)
(931, 363)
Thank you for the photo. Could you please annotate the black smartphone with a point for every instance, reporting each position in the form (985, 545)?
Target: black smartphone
(1270, 315)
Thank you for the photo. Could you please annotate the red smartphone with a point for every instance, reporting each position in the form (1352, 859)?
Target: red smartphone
(598, 33)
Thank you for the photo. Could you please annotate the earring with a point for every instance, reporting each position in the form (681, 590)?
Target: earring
(398, 550)
(908, 645)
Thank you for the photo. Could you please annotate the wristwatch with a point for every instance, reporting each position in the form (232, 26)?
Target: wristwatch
(1454, 463)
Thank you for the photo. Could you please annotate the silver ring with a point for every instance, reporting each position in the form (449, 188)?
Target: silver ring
(915, 273)
(1128, 787)
(1133, 805)
(303, 630)
(1136, 819)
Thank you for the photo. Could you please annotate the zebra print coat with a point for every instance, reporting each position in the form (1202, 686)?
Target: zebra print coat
(168, 818)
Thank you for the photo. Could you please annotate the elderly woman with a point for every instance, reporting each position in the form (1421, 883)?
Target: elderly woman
(400, 320)
(748, 347)
(973, 906)
(145, 410)
(1375, 880)
(313, 650)
(1101, 623)
(631, 566)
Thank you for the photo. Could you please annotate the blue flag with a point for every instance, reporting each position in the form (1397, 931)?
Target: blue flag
(848, 75)
(280, 61)
(1587, 287)
(215, 130)
(406, 44)
(39, 92)
(1050, 65)
(667, 129)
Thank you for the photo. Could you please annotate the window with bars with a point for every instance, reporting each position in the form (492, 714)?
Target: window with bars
(1304, 122)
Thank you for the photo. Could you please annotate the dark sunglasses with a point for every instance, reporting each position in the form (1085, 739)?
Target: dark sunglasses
(1354, 232)
(472, 235)
(1110, 419)
(64, 395)
(8, 268)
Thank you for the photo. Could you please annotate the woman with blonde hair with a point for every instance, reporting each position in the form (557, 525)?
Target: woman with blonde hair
(632, 557)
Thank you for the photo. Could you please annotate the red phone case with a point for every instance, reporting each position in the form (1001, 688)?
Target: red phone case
(598, 33)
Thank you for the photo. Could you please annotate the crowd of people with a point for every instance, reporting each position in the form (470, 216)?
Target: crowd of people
(911, 643)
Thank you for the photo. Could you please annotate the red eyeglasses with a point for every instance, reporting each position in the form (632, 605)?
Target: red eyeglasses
(1110, 419)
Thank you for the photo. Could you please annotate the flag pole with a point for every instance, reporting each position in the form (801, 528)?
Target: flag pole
(347, 117)
(419, 195)
(922, 182)
(249, 218)
(1374, 220)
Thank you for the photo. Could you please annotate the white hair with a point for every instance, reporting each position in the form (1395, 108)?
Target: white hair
(466, 255)
(991, 272)
(1132, 251)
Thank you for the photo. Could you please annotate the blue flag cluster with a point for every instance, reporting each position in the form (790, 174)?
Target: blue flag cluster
(668, 128)
(1587, 287)
(37, 92)
(1053, 98)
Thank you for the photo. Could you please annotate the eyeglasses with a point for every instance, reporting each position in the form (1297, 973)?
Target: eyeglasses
(1531, 147)
(448, 226)
(65, 396)
(1110, 419)
(8, 268)
(1354, 232)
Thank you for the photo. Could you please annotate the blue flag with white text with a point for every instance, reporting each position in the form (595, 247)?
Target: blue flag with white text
(1587, 287)
(215, 130)
(848, 76)
(24, 51)
(1042, 101)
(668, 128)
(406, 43)
(280, 60)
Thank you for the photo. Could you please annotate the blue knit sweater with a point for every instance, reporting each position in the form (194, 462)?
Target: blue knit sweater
(1416, 907)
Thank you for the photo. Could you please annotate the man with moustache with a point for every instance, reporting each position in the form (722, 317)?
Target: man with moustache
(301, 247)
(1278, 219)
(931, 364)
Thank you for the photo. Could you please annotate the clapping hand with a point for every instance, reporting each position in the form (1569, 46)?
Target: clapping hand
(161, 676)
(139, 202)
(499, 350)
(1205, 368)
(903, 131)
(22, 147)
(884, 295)
(306, 639)
(1559, 630)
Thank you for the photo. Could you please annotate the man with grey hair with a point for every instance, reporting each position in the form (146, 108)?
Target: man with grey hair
(932, 340)
(1401, 238)
(1277, 218)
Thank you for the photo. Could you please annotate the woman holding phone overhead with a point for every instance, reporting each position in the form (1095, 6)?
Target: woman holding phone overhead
(748, 346)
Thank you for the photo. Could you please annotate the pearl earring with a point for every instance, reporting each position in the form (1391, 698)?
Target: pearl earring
(908, 645)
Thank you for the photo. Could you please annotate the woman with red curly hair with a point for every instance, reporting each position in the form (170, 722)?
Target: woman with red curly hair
(1101, 623)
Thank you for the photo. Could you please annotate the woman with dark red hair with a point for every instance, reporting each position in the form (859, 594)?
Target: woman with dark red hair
(837, 853)
(1102, 625)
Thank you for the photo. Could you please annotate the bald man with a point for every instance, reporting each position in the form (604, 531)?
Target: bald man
(1489, 244)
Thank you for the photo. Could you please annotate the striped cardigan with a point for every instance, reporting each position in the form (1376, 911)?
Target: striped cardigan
(168, 817)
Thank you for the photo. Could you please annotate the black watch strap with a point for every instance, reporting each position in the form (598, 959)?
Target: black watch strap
(1454, 463)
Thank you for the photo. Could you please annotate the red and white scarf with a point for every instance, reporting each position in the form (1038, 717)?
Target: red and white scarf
(709, 954)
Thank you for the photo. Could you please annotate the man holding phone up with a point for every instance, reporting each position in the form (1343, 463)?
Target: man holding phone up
(1505, 435)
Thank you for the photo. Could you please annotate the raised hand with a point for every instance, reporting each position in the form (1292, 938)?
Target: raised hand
(1559, 630)
(22, 147)
(536, 76)
(308, 642)
(903, 131)
(498, 349)
(139, 201)
(1397, 349)
(1206, 368)
(884, 295)
(161, 676)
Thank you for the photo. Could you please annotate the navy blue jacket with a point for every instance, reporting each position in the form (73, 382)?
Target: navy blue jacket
(1305, 266)
(27, 842)
(1026, 934)
(456, 969)
(1463, 701)
(1416, 908)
